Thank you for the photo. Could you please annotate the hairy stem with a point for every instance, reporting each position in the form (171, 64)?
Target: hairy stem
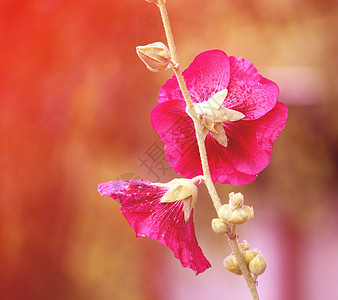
(201, 145)
(198, 127)
(242, 265)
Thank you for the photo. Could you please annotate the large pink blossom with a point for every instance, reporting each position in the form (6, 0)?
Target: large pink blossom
(238, 143)
(165, 222)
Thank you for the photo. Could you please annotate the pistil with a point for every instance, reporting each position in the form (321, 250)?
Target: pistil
(212, 115)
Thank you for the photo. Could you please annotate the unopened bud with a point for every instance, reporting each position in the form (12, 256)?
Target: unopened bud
(236, 200)
(257, 265)
(231, 264)
(241, 215)
(156, 56)
(244, 245)
(249, 255)
(219, 226)
(225, 212)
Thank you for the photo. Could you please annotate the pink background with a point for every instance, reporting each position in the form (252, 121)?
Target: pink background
(75, 105)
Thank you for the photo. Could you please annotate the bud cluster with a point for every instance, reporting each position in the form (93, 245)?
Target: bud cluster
(219, 226)
(253, 259)
(235, 212)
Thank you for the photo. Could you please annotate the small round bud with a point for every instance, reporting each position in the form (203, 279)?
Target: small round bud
(156, 56)
(231, 264)
(236, 200)
(219, 226)
(249, 210)
(225, 212)
(240, 215)
(257, 265)
(249, 255)
(244, 245)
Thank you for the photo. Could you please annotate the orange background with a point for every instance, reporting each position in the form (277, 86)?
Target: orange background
(75, 105)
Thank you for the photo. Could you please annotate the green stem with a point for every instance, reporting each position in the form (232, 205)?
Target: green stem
(201, 145)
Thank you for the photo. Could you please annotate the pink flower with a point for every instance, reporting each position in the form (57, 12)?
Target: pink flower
(152, 211)
(239, 112)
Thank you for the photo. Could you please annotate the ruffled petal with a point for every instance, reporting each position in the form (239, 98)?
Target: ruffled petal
(164, 222)
(176, 130)
(250, 139)
(248, 151)
(208, 74)
(248, 92)
(222, 167)
(249, 147)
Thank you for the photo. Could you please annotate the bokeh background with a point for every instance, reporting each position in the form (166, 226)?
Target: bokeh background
(75, 106)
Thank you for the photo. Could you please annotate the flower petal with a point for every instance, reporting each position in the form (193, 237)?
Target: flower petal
(247, 153)
(222, 167)
(250, 143)
(208, 74)
(248, 92)
(176, 130)
(141, 205)
(249, 147)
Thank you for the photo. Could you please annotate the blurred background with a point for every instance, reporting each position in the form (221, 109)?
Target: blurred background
(75, 105)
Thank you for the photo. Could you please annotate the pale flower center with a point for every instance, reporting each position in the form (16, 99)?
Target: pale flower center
(180, 189)
(212, 115)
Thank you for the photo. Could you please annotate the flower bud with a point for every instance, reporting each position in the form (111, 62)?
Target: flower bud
(249, 255)
(238, 217)
(231, 264)
(236, 200)
(244, 245)
(257, 265)
(225, 212)
(219, 226)
(241, 215)
(156, 56)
